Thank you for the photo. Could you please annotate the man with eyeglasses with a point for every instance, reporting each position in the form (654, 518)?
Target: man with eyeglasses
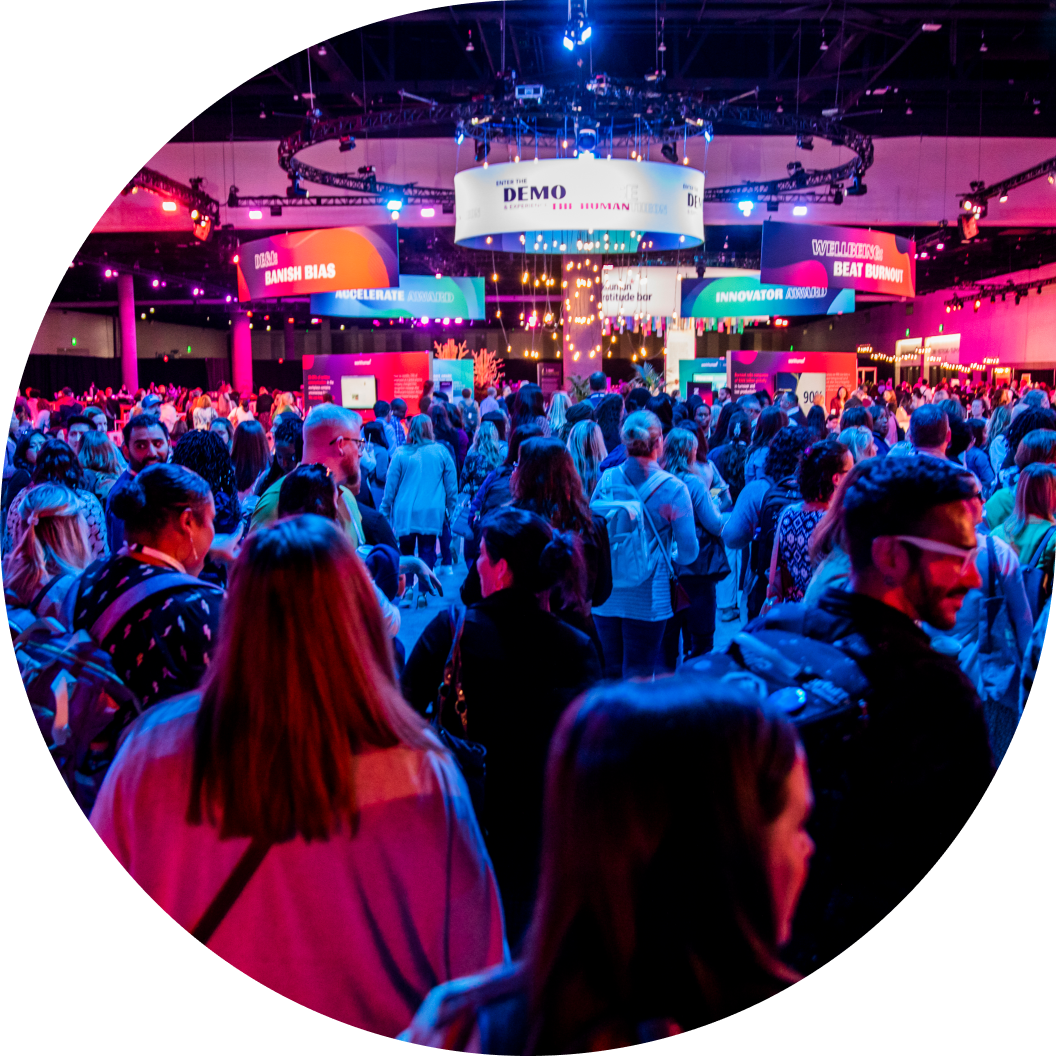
(922, 760)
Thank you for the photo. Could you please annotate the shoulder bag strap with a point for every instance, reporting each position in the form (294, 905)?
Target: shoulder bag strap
(1039, 551)
(232, 887)
(652, 524)
(43, 592)
(452, 669)
(991, 577)
(125, 602)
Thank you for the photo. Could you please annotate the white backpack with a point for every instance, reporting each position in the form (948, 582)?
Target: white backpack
(631, 547)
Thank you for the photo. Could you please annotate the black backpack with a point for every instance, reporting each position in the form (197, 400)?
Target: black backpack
(782, 494)
(820, 688)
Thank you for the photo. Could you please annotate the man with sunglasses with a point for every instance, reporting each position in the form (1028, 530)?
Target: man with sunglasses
(920, 764)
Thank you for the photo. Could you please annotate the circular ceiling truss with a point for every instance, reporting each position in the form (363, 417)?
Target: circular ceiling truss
(601, 117)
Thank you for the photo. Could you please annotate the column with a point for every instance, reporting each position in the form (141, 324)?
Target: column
(582, 321)
(126, 311)
(324, 337)
(241, 354)
(289, 346)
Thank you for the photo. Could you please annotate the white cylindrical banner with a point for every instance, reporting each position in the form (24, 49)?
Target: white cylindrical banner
(579, 205)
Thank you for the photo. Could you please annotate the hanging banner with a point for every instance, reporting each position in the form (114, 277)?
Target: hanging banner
(331, 258)
(815, 377)
(579, 205)
(843, 257)
(745, 295)
(639, 291)
(417, 296)
(358, 381)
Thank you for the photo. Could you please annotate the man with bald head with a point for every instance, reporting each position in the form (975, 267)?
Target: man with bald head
(332, 437)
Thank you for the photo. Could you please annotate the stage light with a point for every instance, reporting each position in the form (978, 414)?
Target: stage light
(805, 142)
(394, 205)
(669, 152)
(568, 40)
(428, 212)
(346, 143)
(469, 44)
(587, 140)
(977, 304)
(746, 207)
(447, 322)
(460, 135)
(931, 27)
(155, 284)
(108, 273)
(229, 298)
(494, 277)
(799, 210)
(708, 135)
(940, 246)
(168, 207)
(438, 275)
(256, 214)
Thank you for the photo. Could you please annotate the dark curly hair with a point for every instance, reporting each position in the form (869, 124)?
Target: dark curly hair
(785, 451)
(202, 451)
(1024, 423)
(57, 464)
(546, 482)
(820, 463)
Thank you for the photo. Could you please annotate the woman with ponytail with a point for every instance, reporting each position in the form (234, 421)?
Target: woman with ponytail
(519, 667)
(56, 463)
(51, 552)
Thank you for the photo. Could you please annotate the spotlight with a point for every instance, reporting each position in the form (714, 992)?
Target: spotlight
(295, 190)
(394, 205)
(669, 152)
(977, 304)
(837, 198)
(587, 140)
(480, 151)
(746, 207)
(708, 135)
(168, 207)
(799, 210)
(460, 135)
(428, 212)
(804, 142)
(346, 143)
(469, 44)
(857, 188)
(256, 214)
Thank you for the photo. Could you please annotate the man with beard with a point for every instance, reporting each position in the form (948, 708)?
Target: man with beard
(146, 442)
(921, 761)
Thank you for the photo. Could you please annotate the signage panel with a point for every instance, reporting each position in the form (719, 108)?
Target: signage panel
(841, 257)
(815, 377)
(350, 380)
(579, 205)
(641, 291)
(331, 258)
(718, 298)
(415, 297)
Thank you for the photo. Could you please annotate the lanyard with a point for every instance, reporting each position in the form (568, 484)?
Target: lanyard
(132, 549)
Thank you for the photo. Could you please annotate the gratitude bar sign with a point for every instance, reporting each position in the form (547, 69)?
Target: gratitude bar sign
(841, 257)
(579, 205)
(319, 261)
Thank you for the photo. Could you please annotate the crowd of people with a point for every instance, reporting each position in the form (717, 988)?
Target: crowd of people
(561, 821)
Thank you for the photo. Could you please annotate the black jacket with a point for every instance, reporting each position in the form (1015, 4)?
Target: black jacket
(915, 774)
(520, 669)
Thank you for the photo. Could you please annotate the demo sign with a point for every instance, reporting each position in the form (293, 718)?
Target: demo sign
(332, 258)
(842, 257)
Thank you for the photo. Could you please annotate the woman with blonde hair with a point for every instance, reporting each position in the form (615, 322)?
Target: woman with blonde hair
(98, 454)
(299, 785)
(421, 488)
(203, 413)
(557, 413)
(586, 445)
(52, 551)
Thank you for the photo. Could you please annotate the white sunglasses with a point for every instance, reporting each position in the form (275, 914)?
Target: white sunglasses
(935, 547)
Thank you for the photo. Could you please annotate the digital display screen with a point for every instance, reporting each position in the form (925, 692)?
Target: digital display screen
(359, 391)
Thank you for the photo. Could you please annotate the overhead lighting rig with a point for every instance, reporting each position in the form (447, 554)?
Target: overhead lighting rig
(578, 29)
(974, 205)
(203, 209)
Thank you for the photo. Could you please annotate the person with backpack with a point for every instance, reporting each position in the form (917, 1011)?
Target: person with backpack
(754, 518)
(514, 668)
(647, 512)
(674, 852)
(51, 552)
(894, 788)
(820, 471)
(146, 605)
(57, 464)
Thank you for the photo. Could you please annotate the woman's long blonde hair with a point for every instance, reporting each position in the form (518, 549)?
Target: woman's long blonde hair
(586, 445)
(54, 541)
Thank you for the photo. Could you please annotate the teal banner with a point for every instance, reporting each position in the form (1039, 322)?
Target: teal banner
(417, 297)
(743, 295)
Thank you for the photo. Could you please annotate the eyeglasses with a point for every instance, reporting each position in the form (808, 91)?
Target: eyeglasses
(935, 547)
(358, 440)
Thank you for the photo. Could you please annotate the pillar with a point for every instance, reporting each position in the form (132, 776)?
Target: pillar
(126, 312)
(324, 337)
(581, 339)
(241, 354)
(289, 346)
